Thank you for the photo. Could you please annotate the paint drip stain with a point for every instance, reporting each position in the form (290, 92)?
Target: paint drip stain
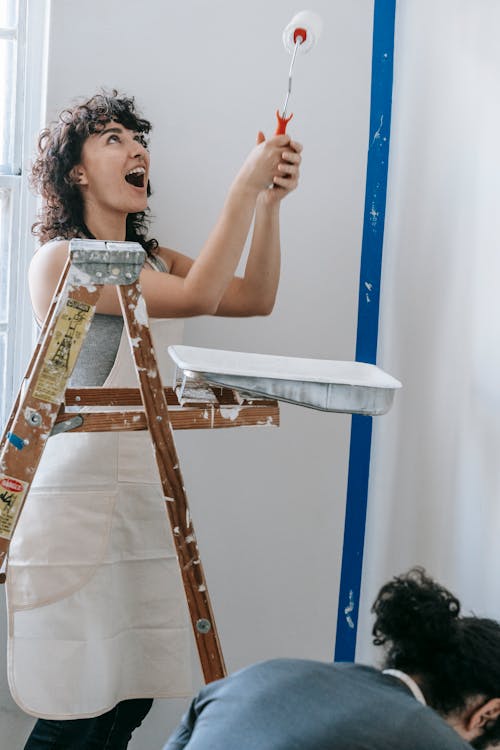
(349, 609)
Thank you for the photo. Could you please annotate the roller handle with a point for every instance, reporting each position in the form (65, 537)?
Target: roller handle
(282, 123)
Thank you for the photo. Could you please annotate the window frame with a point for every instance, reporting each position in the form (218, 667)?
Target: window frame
(31, 95)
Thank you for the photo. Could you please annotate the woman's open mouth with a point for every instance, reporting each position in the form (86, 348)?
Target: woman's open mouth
(136, 177)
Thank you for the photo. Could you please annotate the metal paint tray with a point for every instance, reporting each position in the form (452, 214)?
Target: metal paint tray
(328, 385)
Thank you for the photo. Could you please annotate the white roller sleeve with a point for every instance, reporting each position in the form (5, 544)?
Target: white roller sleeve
(311, 23)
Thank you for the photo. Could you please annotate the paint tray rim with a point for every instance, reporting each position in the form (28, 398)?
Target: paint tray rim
(206, 362)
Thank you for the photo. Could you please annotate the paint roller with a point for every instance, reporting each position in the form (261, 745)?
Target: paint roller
(302, 33)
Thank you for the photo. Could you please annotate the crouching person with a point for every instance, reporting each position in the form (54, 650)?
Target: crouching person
(439, 688)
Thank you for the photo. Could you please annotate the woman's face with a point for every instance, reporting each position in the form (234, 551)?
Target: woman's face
(114, 170)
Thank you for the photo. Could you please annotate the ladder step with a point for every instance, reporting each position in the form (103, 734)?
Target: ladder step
(200, 417)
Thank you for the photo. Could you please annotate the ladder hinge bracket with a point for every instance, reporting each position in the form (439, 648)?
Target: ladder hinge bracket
(108, 262)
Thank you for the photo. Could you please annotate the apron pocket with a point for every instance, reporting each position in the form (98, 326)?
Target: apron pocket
(80, 460)
(60, 540)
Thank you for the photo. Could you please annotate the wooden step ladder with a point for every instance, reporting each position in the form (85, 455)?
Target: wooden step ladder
(46, 406)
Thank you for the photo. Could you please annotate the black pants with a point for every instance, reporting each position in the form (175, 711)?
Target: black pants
(110, 731)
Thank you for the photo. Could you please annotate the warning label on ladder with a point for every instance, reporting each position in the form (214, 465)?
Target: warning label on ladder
(12, 492)
(63, 350)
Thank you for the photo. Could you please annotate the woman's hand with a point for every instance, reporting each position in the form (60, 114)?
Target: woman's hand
(287, 177)
(262, 164)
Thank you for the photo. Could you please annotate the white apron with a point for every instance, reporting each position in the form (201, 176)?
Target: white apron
(97, 612)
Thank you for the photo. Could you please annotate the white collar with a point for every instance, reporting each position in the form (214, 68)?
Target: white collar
(409, 682)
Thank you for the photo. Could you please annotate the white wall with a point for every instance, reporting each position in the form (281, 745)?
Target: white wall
(435, 471)
(267, 504)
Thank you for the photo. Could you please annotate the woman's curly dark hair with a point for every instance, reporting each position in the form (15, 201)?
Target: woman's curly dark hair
(454, 657)
(59, 150)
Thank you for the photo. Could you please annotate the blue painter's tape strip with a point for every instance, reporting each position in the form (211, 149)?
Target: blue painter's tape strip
(16, 441)
(368, 314)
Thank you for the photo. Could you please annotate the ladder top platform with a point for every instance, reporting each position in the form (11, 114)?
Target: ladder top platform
(328, 385)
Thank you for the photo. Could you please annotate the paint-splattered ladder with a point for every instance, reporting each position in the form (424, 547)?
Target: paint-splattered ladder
(40, 411)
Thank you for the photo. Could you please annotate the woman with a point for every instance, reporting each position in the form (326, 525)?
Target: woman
(439, 690)
(97, 617)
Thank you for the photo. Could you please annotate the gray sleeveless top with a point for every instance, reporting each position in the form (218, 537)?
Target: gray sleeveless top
(101, 344)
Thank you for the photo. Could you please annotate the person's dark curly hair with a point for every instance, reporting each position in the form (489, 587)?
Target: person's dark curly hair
(455, 658)
(59, 150)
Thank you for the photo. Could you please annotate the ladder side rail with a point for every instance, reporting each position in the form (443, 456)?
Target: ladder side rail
(157, 416)
(41, 337)
(37, 407)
